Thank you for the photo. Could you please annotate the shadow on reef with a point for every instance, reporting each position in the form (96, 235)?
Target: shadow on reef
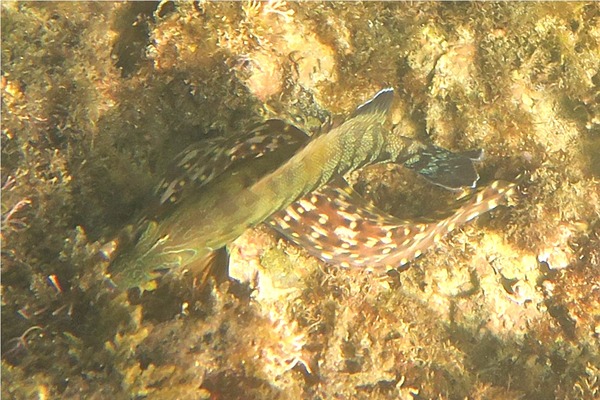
(524, 366)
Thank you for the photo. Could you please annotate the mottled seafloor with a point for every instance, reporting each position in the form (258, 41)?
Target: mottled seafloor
(98, 97)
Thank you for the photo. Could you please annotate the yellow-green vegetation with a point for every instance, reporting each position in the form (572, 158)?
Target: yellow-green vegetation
(97, 98)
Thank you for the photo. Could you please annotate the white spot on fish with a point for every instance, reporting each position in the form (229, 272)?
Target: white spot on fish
(293, 214)
(371, 242)
(347, 216)
(306, 205)
(386, 240)
(420, 236)
(281, 223)
(344, 233)
(472, 215)
(319, 230)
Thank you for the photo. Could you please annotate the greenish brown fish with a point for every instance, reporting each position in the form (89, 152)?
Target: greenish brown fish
(243, 197)
(202, 203)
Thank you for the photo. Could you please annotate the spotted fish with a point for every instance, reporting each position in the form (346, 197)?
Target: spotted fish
(335, 223)
(201, 162)
(242, 197)
(338, 226)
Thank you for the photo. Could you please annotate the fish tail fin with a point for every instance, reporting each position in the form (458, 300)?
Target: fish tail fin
(445, 168)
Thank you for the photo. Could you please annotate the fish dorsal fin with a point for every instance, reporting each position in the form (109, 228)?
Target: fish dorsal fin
(197, 164)
(379, 104)
(202, 162)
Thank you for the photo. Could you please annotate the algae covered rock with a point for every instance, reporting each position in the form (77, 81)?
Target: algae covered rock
(98, 98)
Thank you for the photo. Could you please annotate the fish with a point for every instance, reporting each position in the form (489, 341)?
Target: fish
(201, 162)
(338, 226)
(271, 168)
(449, 170)
(187, 236)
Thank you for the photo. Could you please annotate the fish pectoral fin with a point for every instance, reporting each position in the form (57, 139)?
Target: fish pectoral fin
(215, 264)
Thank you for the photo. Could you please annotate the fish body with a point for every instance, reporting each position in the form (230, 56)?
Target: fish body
(214, 192)
(166, 237)
(341, 228)
(208, 219)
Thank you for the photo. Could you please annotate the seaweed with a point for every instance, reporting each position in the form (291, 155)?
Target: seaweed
(97, 98)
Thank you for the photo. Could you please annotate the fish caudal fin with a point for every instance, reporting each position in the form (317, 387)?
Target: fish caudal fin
(445, 168)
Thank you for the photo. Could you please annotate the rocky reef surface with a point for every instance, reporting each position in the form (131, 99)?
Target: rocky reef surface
(97, 98)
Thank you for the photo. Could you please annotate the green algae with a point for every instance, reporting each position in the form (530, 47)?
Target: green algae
(98, 97)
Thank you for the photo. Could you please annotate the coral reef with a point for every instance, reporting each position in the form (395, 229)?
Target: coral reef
(97, 98)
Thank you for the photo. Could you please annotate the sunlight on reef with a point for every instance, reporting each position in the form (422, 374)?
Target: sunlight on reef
(99, 98)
